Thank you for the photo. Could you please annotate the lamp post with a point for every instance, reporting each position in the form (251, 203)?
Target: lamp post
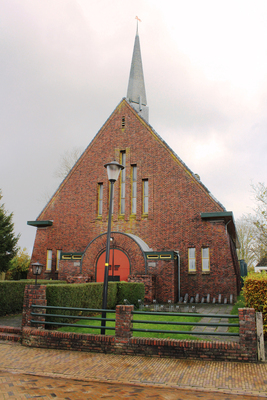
(36, 270)
(113, 170)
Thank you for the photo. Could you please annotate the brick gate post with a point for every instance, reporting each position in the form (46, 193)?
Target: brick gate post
(124, 323)
(247, 331)
(33, 294)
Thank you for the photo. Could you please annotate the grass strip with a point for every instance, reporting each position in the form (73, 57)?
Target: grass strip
(160, 318)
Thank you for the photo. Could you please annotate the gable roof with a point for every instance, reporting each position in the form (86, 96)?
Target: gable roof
(156, 136)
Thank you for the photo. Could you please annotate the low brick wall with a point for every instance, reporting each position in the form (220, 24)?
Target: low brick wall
(124, 343)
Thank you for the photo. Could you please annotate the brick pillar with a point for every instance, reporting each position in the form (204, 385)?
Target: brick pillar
(33, 295)
(124, 323)
(247, 331)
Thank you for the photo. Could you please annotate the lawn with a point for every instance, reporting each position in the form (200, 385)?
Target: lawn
(239, 304)
(161, 318)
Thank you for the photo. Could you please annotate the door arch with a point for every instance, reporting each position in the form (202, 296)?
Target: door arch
(119, 266)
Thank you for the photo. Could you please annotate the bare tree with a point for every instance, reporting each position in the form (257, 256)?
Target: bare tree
(67, 161)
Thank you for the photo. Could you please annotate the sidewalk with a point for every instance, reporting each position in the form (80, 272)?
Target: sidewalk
(221, 377)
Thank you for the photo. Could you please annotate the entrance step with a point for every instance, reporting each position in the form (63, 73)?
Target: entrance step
(10, 333)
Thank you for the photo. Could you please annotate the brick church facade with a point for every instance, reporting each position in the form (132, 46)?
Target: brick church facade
(167, 229)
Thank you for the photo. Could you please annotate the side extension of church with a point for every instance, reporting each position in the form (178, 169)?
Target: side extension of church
(167, 229)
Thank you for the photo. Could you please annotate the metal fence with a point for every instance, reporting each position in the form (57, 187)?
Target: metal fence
(135, 321)
(180, 323)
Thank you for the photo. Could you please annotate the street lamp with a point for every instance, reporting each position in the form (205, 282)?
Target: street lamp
(36, 270)
(113, 170)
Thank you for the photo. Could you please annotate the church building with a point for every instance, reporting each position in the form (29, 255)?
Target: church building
(168, 231)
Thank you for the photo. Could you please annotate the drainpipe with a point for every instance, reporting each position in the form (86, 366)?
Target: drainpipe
(178, 275)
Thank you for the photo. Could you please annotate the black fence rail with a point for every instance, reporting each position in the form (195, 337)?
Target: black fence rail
(77, 317)
(135, 321)
(180, 323)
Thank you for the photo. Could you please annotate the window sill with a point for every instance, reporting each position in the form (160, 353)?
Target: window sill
(192, 272)
(144, 216)
(205, 272)
(121, 216)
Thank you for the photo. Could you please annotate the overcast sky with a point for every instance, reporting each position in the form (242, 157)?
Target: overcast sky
(65, 66)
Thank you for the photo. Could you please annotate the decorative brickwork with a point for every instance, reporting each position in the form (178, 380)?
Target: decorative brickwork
(175, 203)
(33, 294)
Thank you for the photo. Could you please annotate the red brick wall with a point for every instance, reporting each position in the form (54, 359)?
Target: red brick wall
(176, 200)
(123, 343)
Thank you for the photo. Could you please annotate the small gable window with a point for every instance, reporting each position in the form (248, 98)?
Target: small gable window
(123, 122)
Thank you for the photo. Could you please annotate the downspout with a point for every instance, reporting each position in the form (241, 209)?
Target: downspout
(178, 275)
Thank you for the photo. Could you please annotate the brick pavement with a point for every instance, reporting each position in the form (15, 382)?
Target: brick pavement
(221, 377)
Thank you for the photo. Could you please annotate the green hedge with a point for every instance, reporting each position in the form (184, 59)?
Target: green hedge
(58, 293)
(255, 293)
(12, 294)
(131, 291)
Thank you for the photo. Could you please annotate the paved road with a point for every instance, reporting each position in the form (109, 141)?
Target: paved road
(21, 386)
(118, 376)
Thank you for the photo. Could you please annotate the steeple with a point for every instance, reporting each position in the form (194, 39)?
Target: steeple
(136, 93)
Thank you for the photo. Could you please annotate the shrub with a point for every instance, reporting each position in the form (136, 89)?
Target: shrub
(132, 291)
(255, 293)
(82, 295)
(12, 294)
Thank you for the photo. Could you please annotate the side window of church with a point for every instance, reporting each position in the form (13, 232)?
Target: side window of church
(100, 198)
(205, 259)
(49, 260)
(123, 178)
(192, 259)
(58, 259)
(134, 188)
(145, 196)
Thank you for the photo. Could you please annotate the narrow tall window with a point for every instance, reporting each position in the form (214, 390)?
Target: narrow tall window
(49, 260)
(205, 259)
(145, 196)
(123, 179)
(58, 259)
(134, 188)
(191, 259)
(100, 198)
(109, 197)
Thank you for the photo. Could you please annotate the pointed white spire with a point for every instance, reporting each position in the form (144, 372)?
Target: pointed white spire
(136, 93)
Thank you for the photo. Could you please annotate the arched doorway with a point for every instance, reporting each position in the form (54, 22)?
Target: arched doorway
(119, 266)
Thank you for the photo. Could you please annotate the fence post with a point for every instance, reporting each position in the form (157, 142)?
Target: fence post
(33, 294)
(247, 331)
(124, 323)
(260, 337)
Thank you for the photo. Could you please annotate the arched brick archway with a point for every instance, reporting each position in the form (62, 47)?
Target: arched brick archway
(132, 246)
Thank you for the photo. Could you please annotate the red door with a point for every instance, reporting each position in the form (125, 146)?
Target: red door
(119, 266)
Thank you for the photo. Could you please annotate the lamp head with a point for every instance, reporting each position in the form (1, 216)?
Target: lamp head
(113, 170)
